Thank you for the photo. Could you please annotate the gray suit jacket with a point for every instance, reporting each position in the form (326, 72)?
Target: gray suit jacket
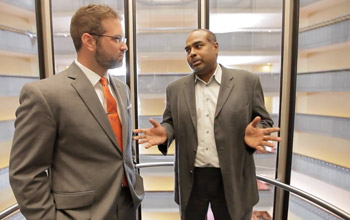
(62, 128)
(240, 100)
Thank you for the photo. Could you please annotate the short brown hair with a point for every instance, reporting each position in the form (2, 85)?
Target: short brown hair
(88, 20)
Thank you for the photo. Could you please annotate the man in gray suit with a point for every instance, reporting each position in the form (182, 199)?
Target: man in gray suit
(67, 161)
(218, 119)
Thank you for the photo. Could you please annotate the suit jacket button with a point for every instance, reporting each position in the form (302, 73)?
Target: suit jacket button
(191, 171)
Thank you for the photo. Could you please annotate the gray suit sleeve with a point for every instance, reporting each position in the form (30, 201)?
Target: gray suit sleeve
(167, 123)
(31, 155)
(259, 106)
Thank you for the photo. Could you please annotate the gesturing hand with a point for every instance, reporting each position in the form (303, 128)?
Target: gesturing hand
(151, 136)
(257, 138)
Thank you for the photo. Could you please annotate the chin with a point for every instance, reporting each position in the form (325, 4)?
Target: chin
(116, 65)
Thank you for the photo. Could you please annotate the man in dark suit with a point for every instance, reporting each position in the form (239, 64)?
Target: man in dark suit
(218, 119)
(72, 155)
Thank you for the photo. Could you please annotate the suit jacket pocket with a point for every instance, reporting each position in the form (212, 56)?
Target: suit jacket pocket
(74, 200)
(139, 186)
(139, 192)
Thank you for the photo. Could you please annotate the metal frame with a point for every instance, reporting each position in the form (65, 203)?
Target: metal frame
(45, 38)
(203, 14)
(131, 62)
(290, 32)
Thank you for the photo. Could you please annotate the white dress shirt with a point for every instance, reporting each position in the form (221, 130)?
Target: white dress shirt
(206, 99)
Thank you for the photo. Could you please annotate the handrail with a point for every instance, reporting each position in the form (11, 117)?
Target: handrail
(156, 164)
(329, 207)
(325, 23)
(326, 205)
(5, 213)
(18, 31)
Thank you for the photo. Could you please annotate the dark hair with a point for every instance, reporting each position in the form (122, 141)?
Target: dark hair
(88, 20)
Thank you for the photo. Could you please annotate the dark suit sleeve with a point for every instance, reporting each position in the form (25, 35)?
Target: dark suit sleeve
(259, 106)
(31, 155)
(168, 125)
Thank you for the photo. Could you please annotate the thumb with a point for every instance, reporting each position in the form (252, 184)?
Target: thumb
(154, 122)
(256, 121)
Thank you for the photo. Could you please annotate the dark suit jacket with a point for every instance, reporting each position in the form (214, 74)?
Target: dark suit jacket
(240, 100)
(62, 127)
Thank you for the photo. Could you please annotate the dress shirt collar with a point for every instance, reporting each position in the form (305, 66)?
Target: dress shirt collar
(93, 77)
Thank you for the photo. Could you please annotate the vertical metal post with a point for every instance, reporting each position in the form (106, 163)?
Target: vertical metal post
(287, 107)
(45, 38)
(203, 14)
(131, 62)
(131, 66)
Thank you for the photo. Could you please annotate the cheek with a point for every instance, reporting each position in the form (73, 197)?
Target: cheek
(188, 59)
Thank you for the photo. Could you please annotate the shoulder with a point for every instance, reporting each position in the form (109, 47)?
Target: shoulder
(177, 84)
(48, 84)
(118, 81)
(239, 73)
(242, 76)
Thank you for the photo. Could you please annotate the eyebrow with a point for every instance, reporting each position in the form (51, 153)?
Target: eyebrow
(194, 43)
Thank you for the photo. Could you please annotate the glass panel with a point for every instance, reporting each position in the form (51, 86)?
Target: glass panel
(64, 51)
(321, 150)
(161, 30)
(251, 41)
(18, 65)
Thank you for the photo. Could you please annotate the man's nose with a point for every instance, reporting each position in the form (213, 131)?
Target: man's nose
(124, 47)
(193, 53)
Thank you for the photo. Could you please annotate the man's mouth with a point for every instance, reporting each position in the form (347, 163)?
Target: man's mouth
(196, 62)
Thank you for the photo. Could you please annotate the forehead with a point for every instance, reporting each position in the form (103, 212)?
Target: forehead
(112, 25)
(197, 36)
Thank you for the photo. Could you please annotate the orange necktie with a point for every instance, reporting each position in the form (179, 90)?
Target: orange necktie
(112, 113)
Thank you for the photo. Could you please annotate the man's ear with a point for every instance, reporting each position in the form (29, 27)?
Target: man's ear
(216, 45)
(88, 41)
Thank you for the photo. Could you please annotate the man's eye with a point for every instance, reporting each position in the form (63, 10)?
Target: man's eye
(118, 39)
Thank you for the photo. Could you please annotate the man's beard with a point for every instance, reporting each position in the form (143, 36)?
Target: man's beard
(105, 61)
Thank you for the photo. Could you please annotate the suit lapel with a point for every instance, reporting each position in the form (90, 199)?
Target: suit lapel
(227, 83)
(87, 93)
(189, 94)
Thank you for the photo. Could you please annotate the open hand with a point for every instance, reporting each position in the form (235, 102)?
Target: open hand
(257, 138)
(151, 136)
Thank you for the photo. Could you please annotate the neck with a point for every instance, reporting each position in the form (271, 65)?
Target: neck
(92, 65)
(206, 76)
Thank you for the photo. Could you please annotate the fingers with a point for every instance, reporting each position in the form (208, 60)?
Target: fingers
(139, 131)
(142, 140)
(272, 138)
(260, 148)
(152, 121)
(269, 141)
(271, 130)
(147, 146)
(269, 144)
